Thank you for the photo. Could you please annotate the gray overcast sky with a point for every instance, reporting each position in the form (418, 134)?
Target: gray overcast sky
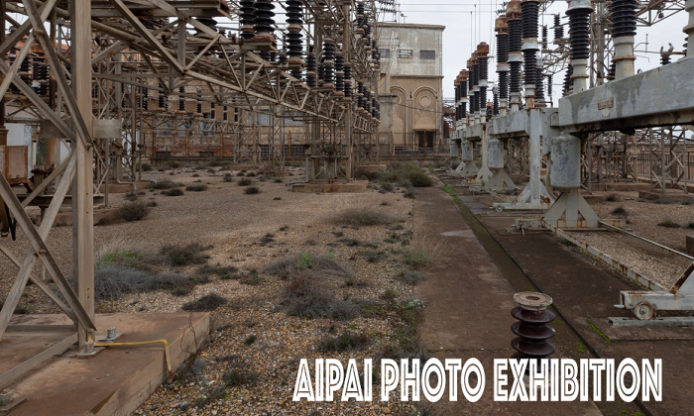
(469, 22)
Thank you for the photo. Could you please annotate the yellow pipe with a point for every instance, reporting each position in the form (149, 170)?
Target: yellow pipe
(128, 344)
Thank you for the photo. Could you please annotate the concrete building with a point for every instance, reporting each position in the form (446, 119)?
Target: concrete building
(411, 88)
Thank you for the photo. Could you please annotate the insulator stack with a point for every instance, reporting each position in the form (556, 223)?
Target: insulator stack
(456, 89)
(181, 99)
(531, 330)
(545, 35)
(145, 98)
(207, 21)
(474, 88)
(490, 111)
(263, 18)
(579, 37)
(213, 111)
(311, 69)
(623, 17)
(495, 95)
(503, 85)
(328, 63)
(198, 105)
(163, 101)
(320, 78)
(360, 19)
(483, 66)
(568, 84)
(515, 57)
(558, 28)
(515, 35)
(463, 94)
(25, 70)
(360, 95)
(295, 35)
(41, 77)
(530, 31)
(503, 68)
(549, 86)
(664, 58)
(367, 100)
(611, 73)
(339, 74)
(373, 108)
(378, 110)
(247, 17)
(539, 88)
(348, 81)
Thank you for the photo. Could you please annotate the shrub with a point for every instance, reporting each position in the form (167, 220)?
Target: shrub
(173, 164)
(410, 278)
(251, 190)
(669, 224)
(223, 272)
(166, 185)
(278, 180)
(112, 281)
(388, 295)
(415, 258)
(613, 198)
(133, 211)
(664, 201)
(252, 279)
(367, 174)
(250, 339)
(344, 342)
(387, 187)
(323, 265)
(419, 179)
(146, 167)
(228, 178)
(173, 192)
(185, 255)
(197, 188)
(245, 182)
(688, 201)
(619, 211)
(361, 216)
(690, 225)
(206, 303)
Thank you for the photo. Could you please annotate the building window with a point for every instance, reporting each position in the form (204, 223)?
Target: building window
(385, 53)
(405, 53)
(427, 54)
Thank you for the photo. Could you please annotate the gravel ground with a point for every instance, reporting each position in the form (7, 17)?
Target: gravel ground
(233, 223)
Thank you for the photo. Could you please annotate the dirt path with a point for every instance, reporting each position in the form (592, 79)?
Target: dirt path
(469, 299)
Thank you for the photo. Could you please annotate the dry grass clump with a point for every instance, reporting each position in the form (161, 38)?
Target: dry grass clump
(173, 192)
(410, 278)
(206, 303)
(245, 182)
(669, 224)
(361, 216)
(113, 281)
(306, 294)
(307, 291)
(323, 265)
(344, 342)
(613, 198)
(223, 272)
(197, 188)
(133, 211)
(166, 185)
(185, 255)
(251, 190)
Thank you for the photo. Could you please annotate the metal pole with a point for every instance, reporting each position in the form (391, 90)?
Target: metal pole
(81, 33)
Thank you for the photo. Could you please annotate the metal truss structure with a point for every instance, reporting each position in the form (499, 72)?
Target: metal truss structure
(111, 79)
